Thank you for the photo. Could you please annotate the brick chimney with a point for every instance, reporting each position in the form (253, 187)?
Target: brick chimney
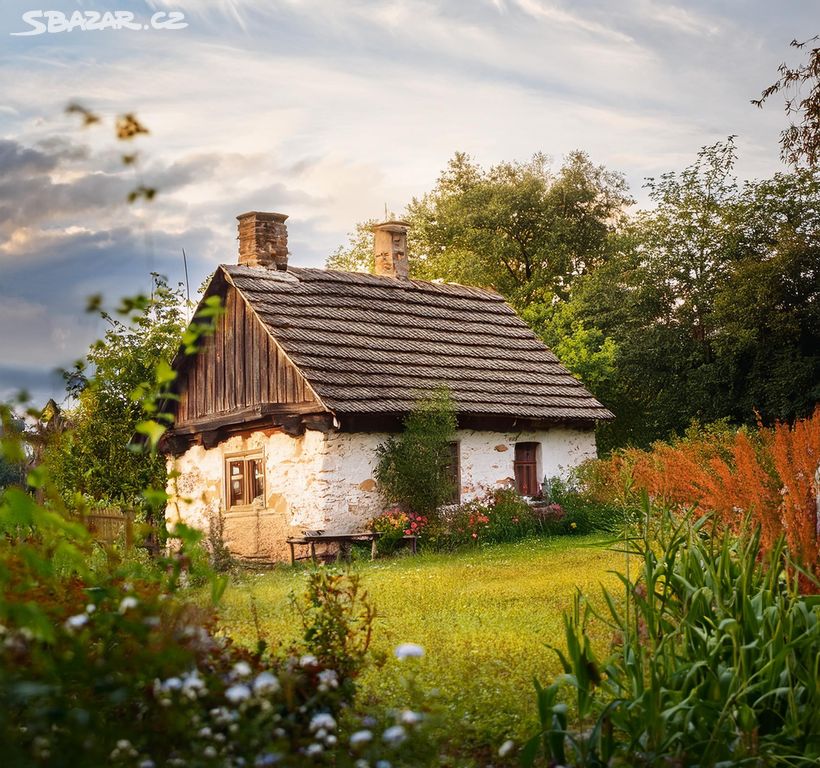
(390, 249)
(263, 239)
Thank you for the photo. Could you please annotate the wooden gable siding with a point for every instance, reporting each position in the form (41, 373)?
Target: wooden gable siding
(238, 367)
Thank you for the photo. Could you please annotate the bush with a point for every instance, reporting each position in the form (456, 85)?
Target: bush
(714, 661)
(412, 469)
(768, 474)
(582, 514)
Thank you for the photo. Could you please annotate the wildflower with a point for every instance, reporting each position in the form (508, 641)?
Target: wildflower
(192, 684)
(172, 684)
(266, 759)
(147, 763)
(266, 683)
(308, 660)
(506, 748)
(205, 733)
(408, 717)
(241, 669)
(209, 752)
(75, 622)
(394, 735)
(361, 763)
(383, 764)
(328, 679)
(322, 720)
(408, 650)
(573, 525)
(314, 749)
(360, 738)
(90, 608)
(128, 603)
(238, 693)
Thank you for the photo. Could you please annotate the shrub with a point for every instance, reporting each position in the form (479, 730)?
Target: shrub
(769, 475)
(581, 513)
(714, 661)
(412, 469)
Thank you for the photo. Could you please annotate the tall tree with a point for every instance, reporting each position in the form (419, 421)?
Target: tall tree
(800, 85)
(518, 226)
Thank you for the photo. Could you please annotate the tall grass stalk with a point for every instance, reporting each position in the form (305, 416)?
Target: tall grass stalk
(715, 659)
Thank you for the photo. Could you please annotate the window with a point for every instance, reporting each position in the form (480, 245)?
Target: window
(245, 480)
(526, 468)
(453, 472)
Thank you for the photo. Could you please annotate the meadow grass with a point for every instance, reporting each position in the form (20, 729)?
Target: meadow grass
(483, 616)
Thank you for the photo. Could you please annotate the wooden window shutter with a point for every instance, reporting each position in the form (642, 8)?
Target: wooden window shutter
(526, 468)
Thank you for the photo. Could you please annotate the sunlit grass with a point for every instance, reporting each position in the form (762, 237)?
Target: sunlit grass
(482, 616)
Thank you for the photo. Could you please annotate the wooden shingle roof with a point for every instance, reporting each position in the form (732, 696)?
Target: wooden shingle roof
(373, 345)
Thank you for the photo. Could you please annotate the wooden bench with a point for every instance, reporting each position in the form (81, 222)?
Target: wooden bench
(344, 540)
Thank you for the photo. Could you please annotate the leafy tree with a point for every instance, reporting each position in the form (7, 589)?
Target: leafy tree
(800, 142)
(711, 300)
(412, 467)
(516, 226)
(96, 456)
(358, 255)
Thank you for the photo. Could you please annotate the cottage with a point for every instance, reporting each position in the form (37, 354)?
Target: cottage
(280, 412)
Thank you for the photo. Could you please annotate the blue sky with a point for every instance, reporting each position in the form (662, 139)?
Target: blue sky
(328, 111)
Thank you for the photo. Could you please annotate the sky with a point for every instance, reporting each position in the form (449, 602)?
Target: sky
(330, 111)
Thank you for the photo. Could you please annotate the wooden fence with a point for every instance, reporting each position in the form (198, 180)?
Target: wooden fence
(108, 525)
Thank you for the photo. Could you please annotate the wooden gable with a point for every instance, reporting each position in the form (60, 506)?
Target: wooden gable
(241, 372)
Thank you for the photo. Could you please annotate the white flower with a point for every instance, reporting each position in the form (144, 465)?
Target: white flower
(238, 693)
(383, 764)
(361, 763)
(408, 717)
(242, 669)
(314, 749)
(266, 683)
(394, 735)
(123, 744)
(127, 603)
(328, 679)
(172, 684)
(209, 751)
(75, 622)
(408, 651)
(308, 660)
(506, 748)
(322, 721)
(360, 737)
(147, 763)
(90, 608)
(192, 683)
(205, 732)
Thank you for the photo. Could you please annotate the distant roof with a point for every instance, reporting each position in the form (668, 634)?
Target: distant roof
(371, 345)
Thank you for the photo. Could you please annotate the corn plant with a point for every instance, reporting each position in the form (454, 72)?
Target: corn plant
(715, 660)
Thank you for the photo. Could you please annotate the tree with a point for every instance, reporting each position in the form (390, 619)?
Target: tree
(518, 227)
(711, 301)
(800, 142)
(96, 456)
(412, 467)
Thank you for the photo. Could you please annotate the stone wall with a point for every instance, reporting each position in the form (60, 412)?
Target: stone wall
(325, 481)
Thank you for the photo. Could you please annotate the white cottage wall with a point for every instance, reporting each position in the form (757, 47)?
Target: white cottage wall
(325, 481)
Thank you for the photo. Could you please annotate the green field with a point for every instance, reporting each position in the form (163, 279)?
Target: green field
(482, 616)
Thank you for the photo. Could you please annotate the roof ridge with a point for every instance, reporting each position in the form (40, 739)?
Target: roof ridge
(365, 278)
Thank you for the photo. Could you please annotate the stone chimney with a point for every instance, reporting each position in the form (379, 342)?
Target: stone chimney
(390, 249)
(263, 240)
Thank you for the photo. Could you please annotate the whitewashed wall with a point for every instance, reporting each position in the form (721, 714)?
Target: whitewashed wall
(325, 481)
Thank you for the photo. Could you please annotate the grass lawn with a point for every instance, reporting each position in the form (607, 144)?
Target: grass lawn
(483, 617)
